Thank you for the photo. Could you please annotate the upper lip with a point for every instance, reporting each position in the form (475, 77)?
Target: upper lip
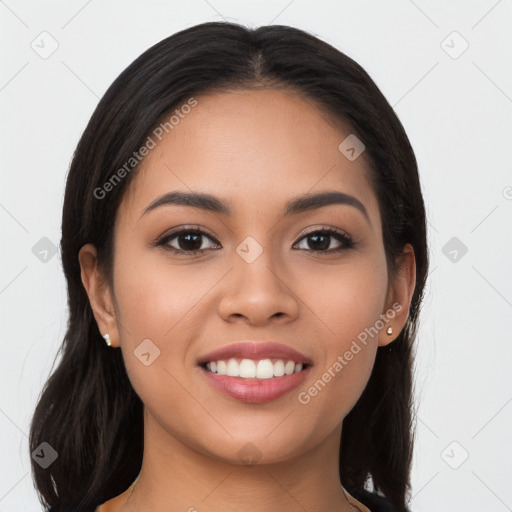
(253, 350)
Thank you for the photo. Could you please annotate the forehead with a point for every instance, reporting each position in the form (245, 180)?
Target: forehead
(248, 146)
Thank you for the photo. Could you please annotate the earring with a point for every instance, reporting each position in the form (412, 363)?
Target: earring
(390, 331)
(107, 339)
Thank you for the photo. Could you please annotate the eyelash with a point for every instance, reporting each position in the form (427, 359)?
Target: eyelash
(346, 240)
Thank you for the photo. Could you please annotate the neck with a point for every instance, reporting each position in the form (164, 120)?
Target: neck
(175, 475)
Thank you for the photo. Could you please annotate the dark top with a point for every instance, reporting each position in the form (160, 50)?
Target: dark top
(371, 500)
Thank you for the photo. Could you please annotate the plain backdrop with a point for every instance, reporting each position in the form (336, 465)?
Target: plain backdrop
(446, 69)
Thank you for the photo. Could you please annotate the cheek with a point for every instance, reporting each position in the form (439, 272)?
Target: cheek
(347, 299)
(162, 304)
(156, 298)
(349, 303)
(155, 303)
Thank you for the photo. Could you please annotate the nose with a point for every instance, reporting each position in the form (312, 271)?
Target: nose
(257, 293)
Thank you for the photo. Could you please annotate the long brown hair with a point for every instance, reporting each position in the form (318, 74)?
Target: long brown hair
(88, 400)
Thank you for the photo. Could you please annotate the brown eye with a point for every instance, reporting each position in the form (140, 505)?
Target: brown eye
(320, 241)
(186, 241)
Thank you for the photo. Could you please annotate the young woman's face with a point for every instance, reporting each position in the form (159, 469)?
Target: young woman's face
(260, 274)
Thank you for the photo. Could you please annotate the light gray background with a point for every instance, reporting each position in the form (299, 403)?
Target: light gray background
(457, 111)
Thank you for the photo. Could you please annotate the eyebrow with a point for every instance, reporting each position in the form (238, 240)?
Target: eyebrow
(295, 206)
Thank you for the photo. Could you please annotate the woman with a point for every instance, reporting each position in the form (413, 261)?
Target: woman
(244, 227)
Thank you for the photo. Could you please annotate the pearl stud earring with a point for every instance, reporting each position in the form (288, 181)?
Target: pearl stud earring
(390, 331)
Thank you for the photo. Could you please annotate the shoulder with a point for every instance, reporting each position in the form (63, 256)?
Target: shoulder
(375, 502)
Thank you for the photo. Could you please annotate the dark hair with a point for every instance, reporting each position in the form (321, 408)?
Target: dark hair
(88, 400)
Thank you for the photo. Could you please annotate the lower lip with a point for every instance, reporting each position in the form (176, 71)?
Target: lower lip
(255, 391)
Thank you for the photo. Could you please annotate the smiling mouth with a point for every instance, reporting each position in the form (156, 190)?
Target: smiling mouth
(260, 369)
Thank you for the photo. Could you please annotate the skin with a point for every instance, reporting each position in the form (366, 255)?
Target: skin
(239, 146)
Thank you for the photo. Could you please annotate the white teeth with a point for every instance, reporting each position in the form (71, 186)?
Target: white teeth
(289, 368)
(279, 368)
(233, 368)
(265, 369)
(221, 367)
(249, 369)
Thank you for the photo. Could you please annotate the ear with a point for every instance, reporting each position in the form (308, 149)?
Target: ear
(99, 293)
(400, 292)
